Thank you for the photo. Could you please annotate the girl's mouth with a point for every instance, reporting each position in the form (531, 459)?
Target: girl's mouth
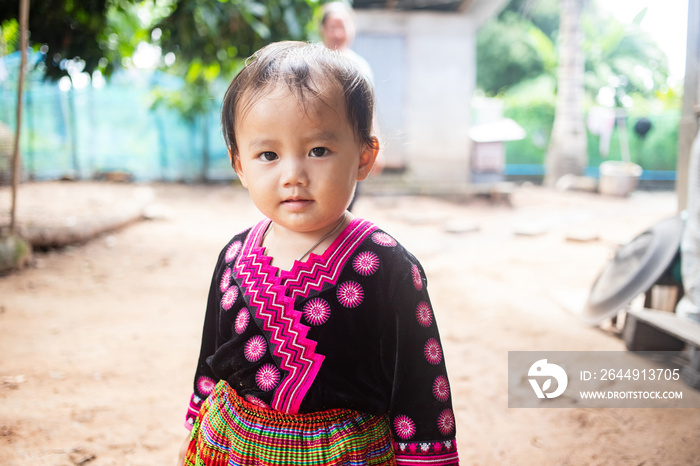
(296, 204)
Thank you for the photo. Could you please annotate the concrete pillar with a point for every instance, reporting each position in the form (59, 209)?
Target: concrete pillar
(691, 102)
(688, 172)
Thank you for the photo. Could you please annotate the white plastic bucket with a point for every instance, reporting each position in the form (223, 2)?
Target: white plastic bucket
(618, 178)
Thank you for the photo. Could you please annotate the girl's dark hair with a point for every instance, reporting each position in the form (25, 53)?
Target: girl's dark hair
(307, 70)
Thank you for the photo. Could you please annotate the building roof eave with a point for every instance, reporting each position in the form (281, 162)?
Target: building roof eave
(455, 6)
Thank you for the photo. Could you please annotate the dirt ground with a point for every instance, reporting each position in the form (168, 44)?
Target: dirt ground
(98, 342)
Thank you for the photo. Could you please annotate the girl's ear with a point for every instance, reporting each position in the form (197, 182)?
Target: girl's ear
(367, 158)
(236, 164)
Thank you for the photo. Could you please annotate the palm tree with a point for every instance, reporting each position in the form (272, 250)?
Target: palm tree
(567, 151)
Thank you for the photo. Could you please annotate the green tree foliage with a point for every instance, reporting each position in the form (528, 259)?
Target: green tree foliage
(542, 13)
(9, 36)
(64, 30)
(506, 54)
(520, 44)
(206, 40)
(622, 57)
(201, 40)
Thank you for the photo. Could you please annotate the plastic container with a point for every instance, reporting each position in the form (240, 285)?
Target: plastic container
(618, 178)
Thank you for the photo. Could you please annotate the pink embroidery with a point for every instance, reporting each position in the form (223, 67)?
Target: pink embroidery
(317, 311)
(435, 453)
(366, 263)
(350, 294)
(424, 314)
(256, 401)
(205, 385)
(417, 280)
(446, 422)
(192, 411)
(268, 301)
(287, 336)
(441, 388)
(242, 320)
(404, 427)
(267, 377)
(225, 280)
(255, 348)
(229, 298)
(433, 352)
(313, 275)
(383, 239)
(232, 251)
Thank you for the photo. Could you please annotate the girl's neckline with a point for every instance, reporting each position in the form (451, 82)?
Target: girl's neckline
(317, 243)
(311, 257)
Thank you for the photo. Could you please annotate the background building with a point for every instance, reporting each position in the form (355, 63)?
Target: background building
(423, 55)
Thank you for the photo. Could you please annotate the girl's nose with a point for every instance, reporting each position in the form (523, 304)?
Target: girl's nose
(294, 172)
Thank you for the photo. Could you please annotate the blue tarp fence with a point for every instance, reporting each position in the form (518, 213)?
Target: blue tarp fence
(83, 131)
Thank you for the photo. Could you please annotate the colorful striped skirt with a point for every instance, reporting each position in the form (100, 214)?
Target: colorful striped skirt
(231, 431)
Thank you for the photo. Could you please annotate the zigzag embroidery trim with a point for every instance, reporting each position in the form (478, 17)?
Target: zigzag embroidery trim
(319, 270)
(267, 300)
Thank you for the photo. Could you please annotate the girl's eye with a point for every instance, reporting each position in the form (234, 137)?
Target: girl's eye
(267, 156)
(318, 152)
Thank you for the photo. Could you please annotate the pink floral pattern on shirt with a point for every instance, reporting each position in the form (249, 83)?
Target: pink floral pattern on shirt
(255, 348)
(229, 298)
(446, 422)
(404, 426)
(433, 352)
(441, 388)
(317, 311)
(267, 377)
(242, 320)
(424, 314)
(366, 263)
(350, 294)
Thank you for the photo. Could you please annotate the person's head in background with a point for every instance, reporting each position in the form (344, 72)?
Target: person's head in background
(337, 26)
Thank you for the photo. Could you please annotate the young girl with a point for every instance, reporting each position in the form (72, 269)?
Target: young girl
(320, 346)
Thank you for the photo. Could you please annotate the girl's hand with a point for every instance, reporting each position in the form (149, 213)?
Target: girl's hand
(183, 451)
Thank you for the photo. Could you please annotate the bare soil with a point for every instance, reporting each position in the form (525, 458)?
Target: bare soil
(99, 341)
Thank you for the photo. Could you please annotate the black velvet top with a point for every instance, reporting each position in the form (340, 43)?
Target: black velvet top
(352, 328)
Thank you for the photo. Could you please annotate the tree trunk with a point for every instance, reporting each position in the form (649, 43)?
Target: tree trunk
(205, 146)
(23, 33)
(567, 151)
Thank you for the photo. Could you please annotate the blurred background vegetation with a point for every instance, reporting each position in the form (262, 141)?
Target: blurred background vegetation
(624, 70)
(154, 69)
(168, 62)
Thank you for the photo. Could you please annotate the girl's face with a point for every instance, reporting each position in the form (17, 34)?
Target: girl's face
(299, 164)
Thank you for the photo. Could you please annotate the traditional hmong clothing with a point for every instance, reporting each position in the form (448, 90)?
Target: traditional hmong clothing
(336, 361)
